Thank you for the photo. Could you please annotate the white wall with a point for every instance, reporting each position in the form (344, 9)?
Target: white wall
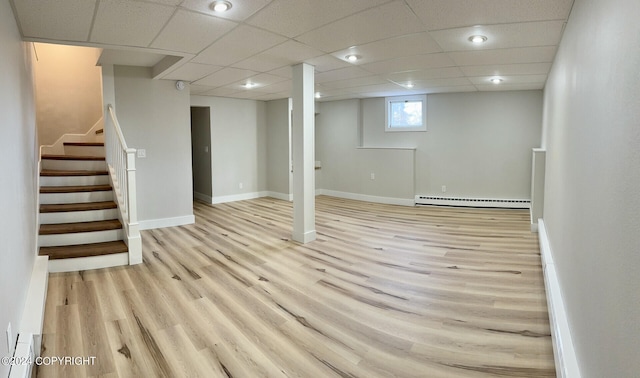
(68, 90)
(592, 182)
(155, 116)
(278, 159)
(477, 144)
(238, 146)
(18, 165)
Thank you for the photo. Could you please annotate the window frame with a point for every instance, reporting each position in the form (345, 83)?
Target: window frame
(411, 98)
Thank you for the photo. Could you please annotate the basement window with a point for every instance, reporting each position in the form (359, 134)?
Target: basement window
(406, 113)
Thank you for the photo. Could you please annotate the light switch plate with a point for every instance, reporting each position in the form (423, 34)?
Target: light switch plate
(142, 153)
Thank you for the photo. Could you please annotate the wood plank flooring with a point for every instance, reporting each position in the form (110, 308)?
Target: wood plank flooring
(385, 291)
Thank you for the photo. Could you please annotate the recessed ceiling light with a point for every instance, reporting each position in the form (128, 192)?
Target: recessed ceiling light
(318, 95)
(496, 80)
(409, 85)
(353, 57)
(220, 6)
(250, 85)
(477, 39)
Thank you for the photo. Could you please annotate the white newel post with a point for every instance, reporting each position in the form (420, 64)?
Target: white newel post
(134, 240)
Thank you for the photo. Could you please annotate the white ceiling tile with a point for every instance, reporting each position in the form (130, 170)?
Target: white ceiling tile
(283, 86)
(52, 19)
(285, 72)
(444, 14)
(509, 80)
(129, 23)
(510, 87)
(504, 56)
(421, 85)
(221, 92)
(410, 63)
(199, 89)
(341, 74)
(453, 89)
(389, 20)
(225, 76)
(327, 62)
(502, 36)
(508, 69)
(129, 58)
(355, 82)
(379, 88)
(241, 43)
(259, 80)
(192, 72)
(239, 11)
(284, 54)
(411, 76)
(391, 48)
(294, 17)
(166, 2)
(191, 32)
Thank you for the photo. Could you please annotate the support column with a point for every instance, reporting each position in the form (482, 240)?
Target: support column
(304, 186)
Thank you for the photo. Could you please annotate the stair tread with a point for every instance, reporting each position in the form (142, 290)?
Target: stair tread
(87, 144)
(72, 157)
(60, 172)
(84, 250)
(71, 228)
(83, 206)
(75, 188)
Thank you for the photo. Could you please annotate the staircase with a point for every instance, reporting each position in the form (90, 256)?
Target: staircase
(79, 225)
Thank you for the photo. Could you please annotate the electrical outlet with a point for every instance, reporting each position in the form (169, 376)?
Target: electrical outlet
(142, 153)
(444, 188)
(9, 340)
(373, 176)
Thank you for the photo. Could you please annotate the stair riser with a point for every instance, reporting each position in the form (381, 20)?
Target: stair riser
(49, 198)
(84, 150)
(86, 263)
(81, 238)
(78, 216)
(73, 180)
(84, 165)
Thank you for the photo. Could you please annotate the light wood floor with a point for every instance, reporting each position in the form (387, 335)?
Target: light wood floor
(385, 291)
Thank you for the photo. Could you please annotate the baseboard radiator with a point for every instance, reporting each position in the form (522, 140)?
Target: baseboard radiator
(24, 356)
(473, 202)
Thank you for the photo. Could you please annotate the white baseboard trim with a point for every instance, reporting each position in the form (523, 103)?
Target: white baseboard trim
(280, 196)
(564, 354)
(33, 316)
(304, 237)
(166, 222)
(367, 198)
(202, 197)
(239, 197)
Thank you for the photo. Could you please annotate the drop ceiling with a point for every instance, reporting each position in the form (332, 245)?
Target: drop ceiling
(424, 43)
